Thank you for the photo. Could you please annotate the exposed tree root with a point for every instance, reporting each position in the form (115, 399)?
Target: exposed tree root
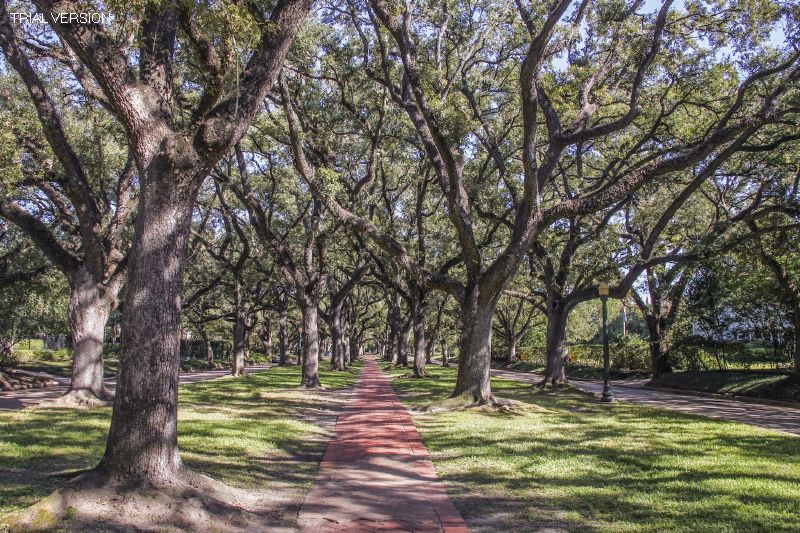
(82, 398)
(550, 381)
(464, 402)
(311, 386)
(195, 503)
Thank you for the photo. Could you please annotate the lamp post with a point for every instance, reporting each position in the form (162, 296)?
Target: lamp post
(608, 396)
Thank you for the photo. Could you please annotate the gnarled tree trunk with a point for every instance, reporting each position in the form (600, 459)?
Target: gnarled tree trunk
(142, 443)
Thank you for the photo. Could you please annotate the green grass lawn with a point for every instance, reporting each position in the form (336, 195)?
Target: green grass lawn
(755, 384)
(255, 431)
(564, 461)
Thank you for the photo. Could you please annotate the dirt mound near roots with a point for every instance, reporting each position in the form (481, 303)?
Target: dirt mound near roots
(200, 504)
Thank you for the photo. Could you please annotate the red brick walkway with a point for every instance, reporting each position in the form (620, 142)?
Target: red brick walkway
(376, 474)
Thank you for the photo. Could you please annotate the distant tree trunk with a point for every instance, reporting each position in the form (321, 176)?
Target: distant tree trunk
(267, 338)
(445, 353)
(659, 350)
(310, 379)
(88, 313)
(797, 340)
(207, 344)
(283, 337)
(556, 343)
(511, 340)
(420, 355)
(240, 333)
(402, 343)
(337, 339)
(395, 324)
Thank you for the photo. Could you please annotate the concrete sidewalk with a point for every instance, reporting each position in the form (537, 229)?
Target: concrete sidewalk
(785, 419)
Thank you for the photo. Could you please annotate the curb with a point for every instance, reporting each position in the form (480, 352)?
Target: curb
(734, 397)
(686, 392)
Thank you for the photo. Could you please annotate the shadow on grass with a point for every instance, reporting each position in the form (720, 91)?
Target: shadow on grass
(246, 431)
(574, 463)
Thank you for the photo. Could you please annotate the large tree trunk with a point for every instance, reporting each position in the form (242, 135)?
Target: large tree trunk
(142, 445)
(659, 351)
(283, 337)
(310, 379)
(88, 313)
(420, 355)
(475, 355)
(556, 344)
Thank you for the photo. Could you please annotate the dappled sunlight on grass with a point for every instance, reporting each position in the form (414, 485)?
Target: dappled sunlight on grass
(579, 464)
(250, 431)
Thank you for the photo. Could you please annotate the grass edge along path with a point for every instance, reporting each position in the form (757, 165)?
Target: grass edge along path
(258, 432)
(567, 462)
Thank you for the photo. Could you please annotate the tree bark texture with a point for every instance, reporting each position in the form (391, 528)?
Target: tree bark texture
(420, 346)
(88, 313)
(474, 359)
(556, 344)
(143, 440)
(310, 379)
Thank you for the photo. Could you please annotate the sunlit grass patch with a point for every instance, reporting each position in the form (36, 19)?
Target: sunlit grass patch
(580, 465)
(251, 431)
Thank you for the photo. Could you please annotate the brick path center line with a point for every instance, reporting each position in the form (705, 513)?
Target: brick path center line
(377, 474)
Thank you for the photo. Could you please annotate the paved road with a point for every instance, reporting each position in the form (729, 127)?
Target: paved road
(786, 419)
(20, 399)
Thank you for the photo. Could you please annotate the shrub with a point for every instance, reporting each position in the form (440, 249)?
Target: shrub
(64, 354)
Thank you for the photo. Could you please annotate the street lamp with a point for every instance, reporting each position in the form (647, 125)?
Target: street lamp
(608, 396)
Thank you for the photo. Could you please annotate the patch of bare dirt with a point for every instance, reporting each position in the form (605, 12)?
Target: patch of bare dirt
(198, 504)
